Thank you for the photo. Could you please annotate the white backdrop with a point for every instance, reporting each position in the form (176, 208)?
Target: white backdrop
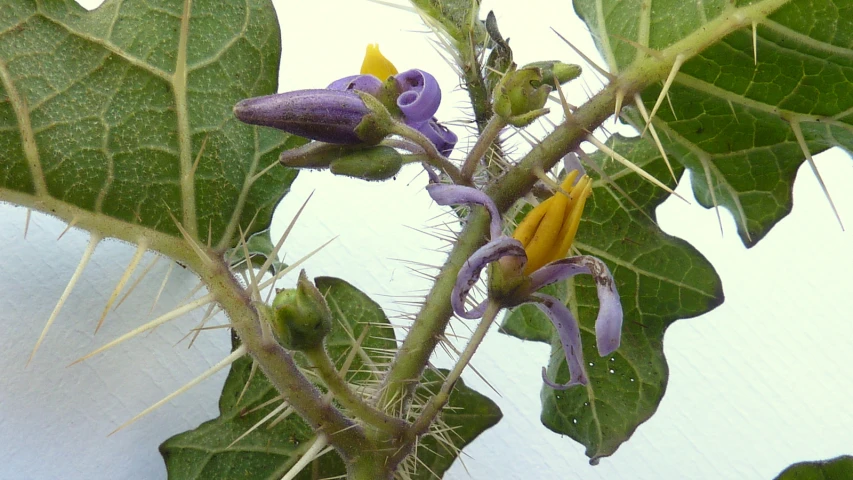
(759, 383)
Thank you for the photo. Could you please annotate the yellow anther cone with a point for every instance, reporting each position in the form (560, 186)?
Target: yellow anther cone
(376, 64)
(548, 230)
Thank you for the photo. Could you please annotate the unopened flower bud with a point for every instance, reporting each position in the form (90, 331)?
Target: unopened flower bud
(301, 316)
(327, 115)
(520, 96)
(372, 163)
(554, 71)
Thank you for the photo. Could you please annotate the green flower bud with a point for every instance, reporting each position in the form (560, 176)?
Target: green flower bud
(301, 316)
(520, 96)
(374, 163)
(556, 71)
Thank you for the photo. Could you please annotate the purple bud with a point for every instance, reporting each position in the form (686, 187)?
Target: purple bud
(419, 97)
(363, 83)
(327, 115)
(443, 139)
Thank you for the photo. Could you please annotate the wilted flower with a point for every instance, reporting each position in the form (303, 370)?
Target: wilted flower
(338, 114)
(542, 240)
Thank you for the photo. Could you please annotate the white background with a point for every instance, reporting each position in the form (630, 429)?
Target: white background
(761, 382)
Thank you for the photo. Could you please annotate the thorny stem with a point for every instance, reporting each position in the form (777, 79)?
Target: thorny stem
(439, 400)
(484, 142)
(350, 400)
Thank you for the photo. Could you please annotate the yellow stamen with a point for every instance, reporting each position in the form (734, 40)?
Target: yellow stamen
(376, 64)
(547, 232)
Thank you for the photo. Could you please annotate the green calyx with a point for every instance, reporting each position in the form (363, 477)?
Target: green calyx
(377, 124)
(373, 163)
(520, 96)
(301, 317)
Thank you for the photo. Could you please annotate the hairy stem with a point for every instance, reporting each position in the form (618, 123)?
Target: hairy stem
(349, 399)
(439, 400)
(484, 142)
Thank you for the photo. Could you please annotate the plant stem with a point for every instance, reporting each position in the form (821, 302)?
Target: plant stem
(344, 394)
(434, 158)
(484, 142)
(437, 402)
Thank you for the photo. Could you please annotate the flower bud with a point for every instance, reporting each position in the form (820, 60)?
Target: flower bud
(301, 316)
(327, 115)
(554, 71)
(373, 163)
(520, 96)
(419, 97)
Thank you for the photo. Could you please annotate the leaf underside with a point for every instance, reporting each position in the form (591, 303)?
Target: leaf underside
(834, 469)
(732, 111)
(124, 112)
(660, 279)
(268, 453)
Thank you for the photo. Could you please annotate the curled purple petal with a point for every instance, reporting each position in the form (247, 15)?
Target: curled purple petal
(363, 83)
(570, 337)
(470, 272)
(327, 115)
(608, 324)
(444, 194)
(419, 97)
(440, 136)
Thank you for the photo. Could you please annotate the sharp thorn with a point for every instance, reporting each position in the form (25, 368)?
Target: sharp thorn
(141, 248)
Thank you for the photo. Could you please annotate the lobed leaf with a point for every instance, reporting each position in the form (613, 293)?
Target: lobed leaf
(733, 111)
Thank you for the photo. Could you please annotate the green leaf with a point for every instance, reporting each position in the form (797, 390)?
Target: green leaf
(204, 453)
(266, 453)
(735, 114)
(467, 415)
(120, 119)
(660, 279)
(833, 469)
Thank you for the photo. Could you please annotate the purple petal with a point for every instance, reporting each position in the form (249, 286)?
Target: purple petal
(470, 272)
(327, 115)
(419, 97)
(570, 338)
(572, 162)
(363, 83)
(444, 194)
(608, 324)
(440, 136)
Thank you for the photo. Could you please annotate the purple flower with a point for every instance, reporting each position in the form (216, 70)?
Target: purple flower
(512, 257)
(419, 97)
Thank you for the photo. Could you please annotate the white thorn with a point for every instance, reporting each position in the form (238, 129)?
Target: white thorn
(27, 222)
(260, 422)
(152, 324)
(140, 250)
(70, 225)
(755, 42)
(293, 265)
(253, 280)
(274, 253)
(631, 166)
(309, 456)
(642, 108)
(162, 286)
(239, 352)
(136, 283)
(676, 65)
(94, 239)
(802, 141)
(620, 97)
(588, 60)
